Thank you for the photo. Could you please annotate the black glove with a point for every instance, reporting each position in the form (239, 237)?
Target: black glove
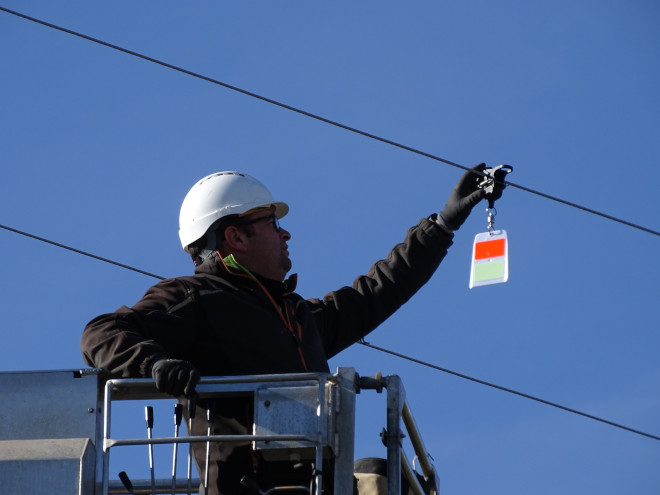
(175, 377)
(463, 197)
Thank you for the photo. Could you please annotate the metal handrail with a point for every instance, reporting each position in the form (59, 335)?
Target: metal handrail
(399, 411)
(418, 444)
(143, 389)
(398, 414)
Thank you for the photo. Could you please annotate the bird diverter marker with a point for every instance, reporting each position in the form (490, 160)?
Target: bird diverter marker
(490, 259)
(490, 252)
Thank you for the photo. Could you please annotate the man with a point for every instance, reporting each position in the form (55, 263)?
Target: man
(239, 314)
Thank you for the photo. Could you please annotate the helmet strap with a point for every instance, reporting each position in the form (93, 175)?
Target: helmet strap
(209, 249)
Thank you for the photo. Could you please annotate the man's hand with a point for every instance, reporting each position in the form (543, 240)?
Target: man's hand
(463, 197)
(175, 377)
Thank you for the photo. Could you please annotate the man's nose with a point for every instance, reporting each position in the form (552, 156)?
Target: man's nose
(285, 234)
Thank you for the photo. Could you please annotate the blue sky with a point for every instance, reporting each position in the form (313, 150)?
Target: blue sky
(99, 148)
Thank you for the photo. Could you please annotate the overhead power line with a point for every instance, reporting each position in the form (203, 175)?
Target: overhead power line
(509, 390)
(367, 344)
(365, 134)
(322, 119)
(78, 251)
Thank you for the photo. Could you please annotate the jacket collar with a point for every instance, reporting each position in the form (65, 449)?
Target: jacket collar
(230, 268)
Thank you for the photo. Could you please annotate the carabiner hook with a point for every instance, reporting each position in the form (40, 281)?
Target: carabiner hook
(487, 183)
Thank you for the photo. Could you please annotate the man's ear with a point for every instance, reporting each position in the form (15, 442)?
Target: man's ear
(235, 240)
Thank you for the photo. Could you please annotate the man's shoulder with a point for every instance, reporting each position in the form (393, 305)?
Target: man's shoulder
(200, 281)
(176, 293)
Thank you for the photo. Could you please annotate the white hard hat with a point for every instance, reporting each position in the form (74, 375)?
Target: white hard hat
(219, 195)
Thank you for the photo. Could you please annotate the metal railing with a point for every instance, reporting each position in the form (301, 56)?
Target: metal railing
(398, 411)
(323, 406)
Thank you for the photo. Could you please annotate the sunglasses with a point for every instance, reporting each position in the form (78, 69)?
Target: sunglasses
(267, 218)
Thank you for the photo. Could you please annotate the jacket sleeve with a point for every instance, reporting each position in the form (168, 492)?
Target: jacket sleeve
(127, 342)
(348, 314)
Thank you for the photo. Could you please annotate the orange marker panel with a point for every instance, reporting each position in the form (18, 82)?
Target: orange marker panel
(489, 249)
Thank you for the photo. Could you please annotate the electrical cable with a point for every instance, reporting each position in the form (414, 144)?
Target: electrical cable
(509, 390)
(363, 133)
(323, 119)
(367, 344)
(63, 246)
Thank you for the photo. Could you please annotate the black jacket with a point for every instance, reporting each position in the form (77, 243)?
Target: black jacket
(229, 323)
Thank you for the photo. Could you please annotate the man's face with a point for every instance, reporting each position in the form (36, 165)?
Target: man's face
(267, 252)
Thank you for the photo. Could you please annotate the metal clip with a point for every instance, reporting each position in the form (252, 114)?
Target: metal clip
(487, 182)
(491, 219)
